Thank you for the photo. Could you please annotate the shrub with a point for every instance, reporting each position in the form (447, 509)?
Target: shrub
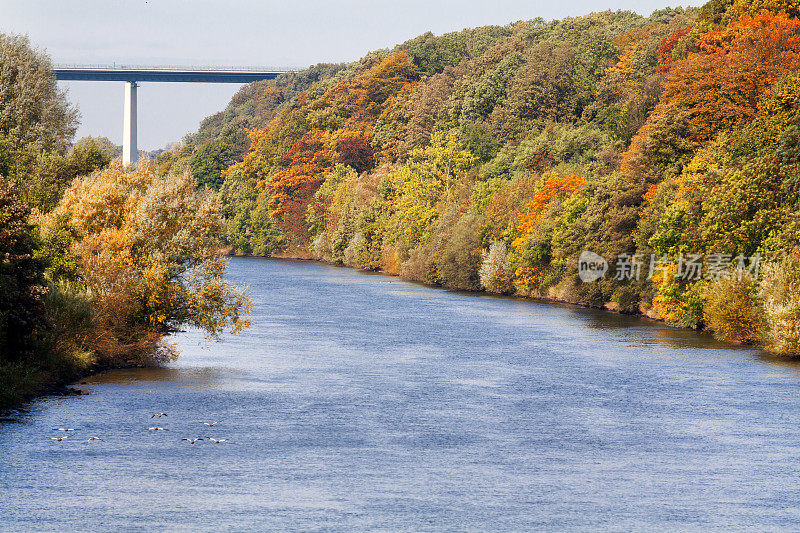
(146, 249)
(495, 272)
(731, 308)
(780, 290)
(419, 266)
(460, 257)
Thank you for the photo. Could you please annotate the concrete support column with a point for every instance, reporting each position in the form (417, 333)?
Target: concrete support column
(130, 151)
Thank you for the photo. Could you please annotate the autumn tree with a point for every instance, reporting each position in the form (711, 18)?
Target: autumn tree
(427, 178)
(52, 172)
(495, 272)
(147, 252)
(546, 87)
(781, 300)
(354, 149)
(554, 189)
(721, 83)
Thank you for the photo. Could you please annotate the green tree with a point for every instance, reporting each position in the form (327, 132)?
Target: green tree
(33, 111)
(52, 172)
(21, 280)
(429, 174)
(208, 163)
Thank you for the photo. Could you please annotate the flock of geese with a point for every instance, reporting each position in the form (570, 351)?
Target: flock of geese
(66, 430)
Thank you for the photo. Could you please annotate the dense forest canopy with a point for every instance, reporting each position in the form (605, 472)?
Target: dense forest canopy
(491, 158)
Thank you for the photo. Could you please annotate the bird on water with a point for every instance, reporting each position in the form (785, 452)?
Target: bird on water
(156, 428)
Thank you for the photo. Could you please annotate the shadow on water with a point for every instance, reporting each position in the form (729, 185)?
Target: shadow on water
(654, 333)
(648, 332)
(199, 378)
(18, 415)
(185, 376)
(770, 358)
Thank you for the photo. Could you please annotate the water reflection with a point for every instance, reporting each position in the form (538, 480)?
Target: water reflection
(636, 329)
(783, 362)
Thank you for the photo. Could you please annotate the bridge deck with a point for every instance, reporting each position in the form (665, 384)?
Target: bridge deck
(163, 75)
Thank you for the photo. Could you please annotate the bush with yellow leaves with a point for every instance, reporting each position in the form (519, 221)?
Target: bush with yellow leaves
(147, 251)
(732, 308)
(780, 291)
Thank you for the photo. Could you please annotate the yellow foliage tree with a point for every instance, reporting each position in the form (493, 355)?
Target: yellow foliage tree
(147, 247)
(780, 290)
(732, 309)
(426, 179)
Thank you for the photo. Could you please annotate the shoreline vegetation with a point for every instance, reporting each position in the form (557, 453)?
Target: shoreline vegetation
(125, 258)
(664, 149)
(98, 262)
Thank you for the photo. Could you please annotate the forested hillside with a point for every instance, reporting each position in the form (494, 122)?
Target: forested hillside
(492, 158)
(224, 138)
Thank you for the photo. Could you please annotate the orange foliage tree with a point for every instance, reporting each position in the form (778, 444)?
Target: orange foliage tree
(665, 58)
(721, 83)
(354, 148)
(555, 188)
(289, 192)
(290, 158)
(364, 97)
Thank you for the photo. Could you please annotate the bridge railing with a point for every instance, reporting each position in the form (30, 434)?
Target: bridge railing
(191, 68)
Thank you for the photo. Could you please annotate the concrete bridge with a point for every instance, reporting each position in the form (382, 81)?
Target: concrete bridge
(132, 76)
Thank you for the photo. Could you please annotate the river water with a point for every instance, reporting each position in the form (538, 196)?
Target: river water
(361, 402)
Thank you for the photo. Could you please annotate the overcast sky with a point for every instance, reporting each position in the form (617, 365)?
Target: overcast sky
(238, 33)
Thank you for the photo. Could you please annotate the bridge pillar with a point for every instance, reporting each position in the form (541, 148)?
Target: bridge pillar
(130, 152)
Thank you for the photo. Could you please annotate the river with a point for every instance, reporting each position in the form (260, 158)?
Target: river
(358, 401)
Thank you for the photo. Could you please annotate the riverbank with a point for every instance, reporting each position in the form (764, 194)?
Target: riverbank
(29, 378)
(122, 290)
(50, 373)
